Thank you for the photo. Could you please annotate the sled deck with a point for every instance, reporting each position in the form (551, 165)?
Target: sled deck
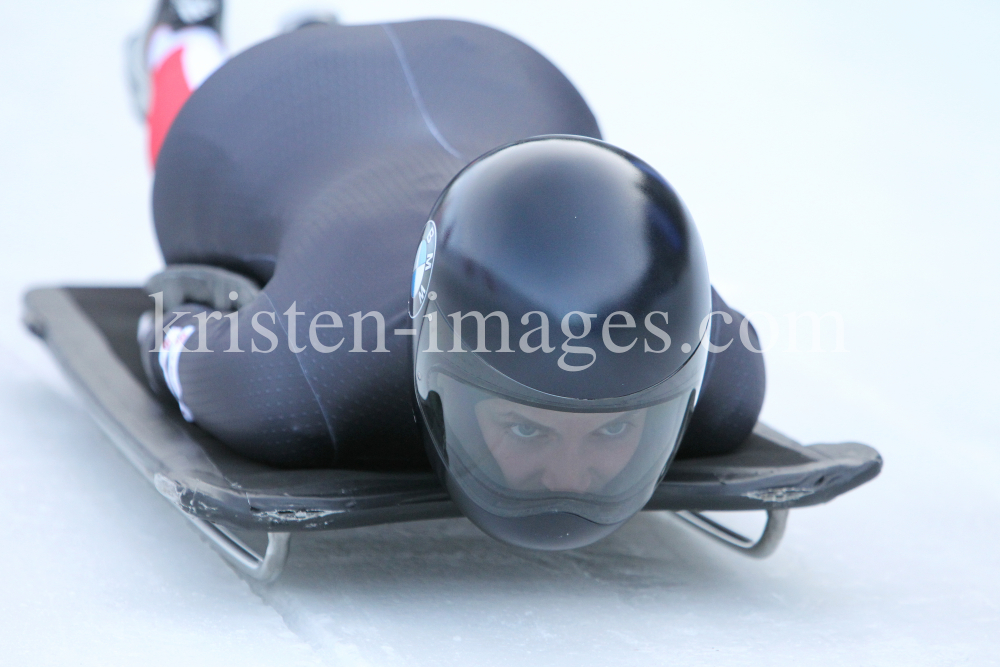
(91, 331)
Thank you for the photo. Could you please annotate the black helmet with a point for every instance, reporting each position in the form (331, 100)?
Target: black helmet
(559, 293)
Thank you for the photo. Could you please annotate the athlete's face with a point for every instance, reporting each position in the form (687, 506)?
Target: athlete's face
(546, 450)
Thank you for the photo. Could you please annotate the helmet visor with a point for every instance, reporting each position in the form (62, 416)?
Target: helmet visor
(515, 451)
(515, 459)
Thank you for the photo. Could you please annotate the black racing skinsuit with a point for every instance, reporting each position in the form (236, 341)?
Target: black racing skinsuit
(310, 163)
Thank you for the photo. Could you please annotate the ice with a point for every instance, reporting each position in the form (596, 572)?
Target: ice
(836, 159)
(96, 569)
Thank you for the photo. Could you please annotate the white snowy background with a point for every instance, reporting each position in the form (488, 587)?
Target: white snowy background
(839, 158)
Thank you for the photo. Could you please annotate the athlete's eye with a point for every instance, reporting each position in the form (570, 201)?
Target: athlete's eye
(524, 430)
(613, 430)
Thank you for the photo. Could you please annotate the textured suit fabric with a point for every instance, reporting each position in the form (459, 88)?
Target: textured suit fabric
(310, 163)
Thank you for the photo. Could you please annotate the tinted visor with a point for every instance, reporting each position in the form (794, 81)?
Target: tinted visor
(517, 453)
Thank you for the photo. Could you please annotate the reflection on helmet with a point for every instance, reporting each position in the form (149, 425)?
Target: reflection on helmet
(554, 441)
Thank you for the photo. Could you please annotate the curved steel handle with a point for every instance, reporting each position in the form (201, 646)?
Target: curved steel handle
(247, 561)
(762, 547)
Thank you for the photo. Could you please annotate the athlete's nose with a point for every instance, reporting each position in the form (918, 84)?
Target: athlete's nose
(570, 473)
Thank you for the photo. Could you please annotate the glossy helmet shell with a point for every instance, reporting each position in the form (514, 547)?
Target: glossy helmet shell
(559, 225)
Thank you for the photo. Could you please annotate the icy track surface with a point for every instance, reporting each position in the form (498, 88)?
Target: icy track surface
(835, 160)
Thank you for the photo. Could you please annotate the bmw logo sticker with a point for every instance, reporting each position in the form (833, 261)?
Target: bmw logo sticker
(423, 265)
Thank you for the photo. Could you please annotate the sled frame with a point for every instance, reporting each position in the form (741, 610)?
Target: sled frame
(242, 557)
(268, 566)
(90, 332)
(762, 547)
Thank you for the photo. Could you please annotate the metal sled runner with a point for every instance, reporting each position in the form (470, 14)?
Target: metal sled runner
(91, 333)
